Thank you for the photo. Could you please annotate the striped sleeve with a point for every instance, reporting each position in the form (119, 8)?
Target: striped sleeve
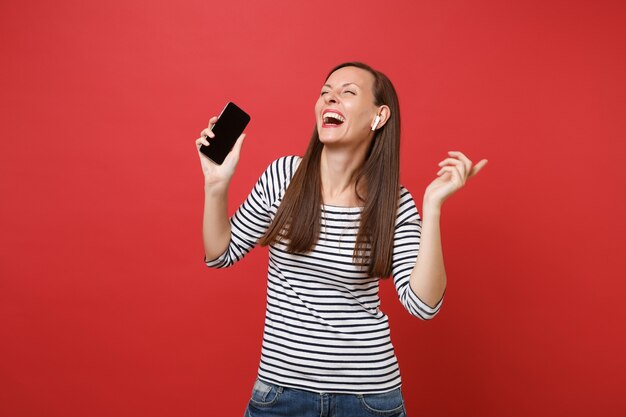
(252, 219)
(405, 251)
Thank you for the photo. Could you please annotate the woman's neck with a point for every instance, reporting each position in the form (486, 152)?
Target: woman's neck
(338, 175)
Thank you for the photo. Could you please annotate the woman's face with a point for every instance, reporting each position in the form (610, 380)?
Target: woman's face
(345, 109)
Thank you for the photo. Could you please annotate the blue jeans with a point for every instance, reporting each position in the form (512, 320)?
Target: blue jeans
(270, 400)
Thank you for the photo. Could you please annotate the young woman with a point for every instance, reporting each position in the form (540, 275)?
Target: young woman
(336, 220)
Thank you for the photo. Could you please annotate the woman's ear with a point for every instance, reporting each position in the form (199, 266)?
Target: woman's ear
(381, 117)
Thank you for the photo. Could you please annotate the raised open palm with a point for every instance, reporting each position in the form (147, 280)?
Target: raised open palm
(451, 177)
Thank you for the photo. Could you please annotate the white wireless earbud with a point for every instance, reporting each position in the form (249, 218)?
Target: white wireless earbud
(376, 121)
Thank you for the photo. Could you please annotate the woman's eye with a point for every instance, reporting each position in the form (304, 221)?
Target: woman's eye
(351, 92)
(323, 92)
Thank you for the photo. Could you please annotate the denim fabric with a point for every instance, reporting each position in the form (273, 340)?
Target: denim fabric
(270, 400)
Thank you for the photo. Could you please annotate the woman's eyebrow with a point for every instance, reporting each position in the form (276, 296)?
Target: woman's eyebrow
(330, 86)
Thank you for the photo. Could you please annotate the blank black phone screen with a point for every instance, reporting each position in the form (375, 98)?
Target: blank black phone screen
(229, 126)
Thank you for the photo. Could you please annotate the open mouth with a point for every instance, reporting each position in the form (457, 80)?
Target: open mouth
(331, 118)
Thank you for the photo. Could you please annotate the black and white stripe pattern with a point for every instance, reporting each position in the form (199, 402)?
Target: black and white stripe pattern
(324, 330)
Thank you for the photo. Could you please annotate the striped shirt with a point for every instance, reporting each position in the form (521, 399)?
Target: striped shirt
(324, 330)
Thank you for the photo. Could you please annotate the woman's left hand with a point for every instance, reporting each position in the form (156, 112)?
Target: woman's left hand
(451, 177)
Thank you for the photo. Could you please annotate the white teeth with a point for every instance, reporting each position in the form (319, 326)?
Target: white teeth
(335, 116)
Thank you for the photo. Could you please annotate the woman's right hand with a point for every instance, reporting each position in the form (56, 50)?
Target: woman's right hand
(215, 174)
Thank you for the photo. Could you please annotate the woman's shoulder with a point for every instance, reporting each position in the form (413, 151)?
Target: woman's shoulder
(283, 167)
(278, 174)
(407, 210)
(405, 195)
(285, 163)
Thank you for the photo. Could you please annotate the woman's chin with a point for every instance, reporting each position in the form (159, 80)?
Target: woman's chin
(341, 141)
(330, 135)
(328, 138)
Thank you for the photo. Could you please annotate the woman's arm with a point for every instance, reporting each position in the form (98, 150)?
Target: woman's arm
(215, 224)
(230, 242)
(428, 278)
(406, 248)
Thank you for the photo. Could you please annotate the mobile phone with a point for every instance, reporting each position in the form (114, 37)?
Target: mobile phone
(229, 126)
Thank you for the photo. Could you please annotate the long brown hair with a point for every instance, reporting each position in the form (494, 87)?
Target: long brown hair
(297, 221)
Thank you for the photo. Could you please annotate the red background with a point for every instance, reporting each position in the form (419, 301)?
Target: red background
(106, 307)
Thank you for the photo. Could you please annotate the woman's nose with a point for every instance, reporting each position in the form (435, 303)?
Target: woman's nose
(330, 97)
